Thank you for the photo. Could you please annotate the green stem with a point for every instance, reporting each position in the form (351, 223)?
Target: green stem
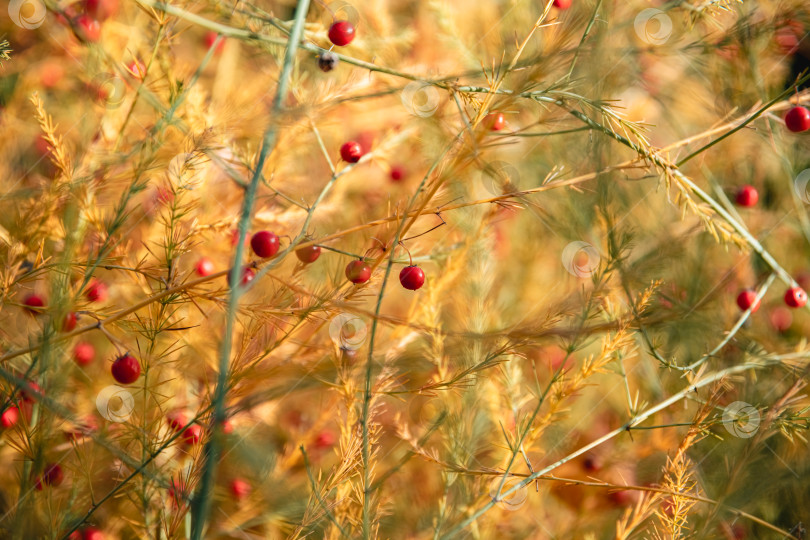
(202, 500)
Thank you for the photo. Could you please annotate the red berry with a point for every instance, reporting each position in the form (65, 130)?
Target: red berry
(52, 476)
(227, 427)
(358, 272)
(795, 297)
(747, 299)
(591, 464)
(412, 277)
(101, 9)
(797, 119)
(248, 274)
(264, 244)
(29, 396)
(32, 302)
(308, 254)
(747, 196)
(781, 318)
(177, 420)
(91, 533)
(69, 322)
(351, 152)
(89, 28)
(341, 33)
(42, 146)
(9, 417)
(82, 429)
(496, 121)
(137, 69)
(562, 4)
(177, 490)
(126, 369)
(397, 173)
(192, 434)
(210, 38)
(325, 439)
(84, 353)
(204, 267)
(97, 291)
(240, 488)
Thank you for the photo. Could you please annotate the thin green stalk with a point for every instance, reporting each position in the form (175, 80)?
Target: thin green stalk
(366, 452)
(202, 500)
(709, 379)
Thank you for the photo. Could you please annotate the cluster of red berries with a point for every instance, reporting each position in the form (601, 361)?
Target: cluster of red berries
(88, 21)
(411, 277)
(795, 297)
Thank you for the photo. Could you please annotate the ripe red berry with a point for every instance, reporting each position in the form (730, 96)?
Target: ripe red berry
(89, 28)
(248, 274)
(126, 369)
(358, 272)
(240, 488)
(227, 427)
(351, 152)
(51, 476)
(210, 38)
(33, 303)
(562, 4)
(795, 297)
(9, 417)
(69, 322)
(496, 121)
(101, 9)
(96, 291)
(91, 533)
(177, 420)
(308, 254)
(29, 395)
(84, 353)
(192, 434)
(591, 464)
(797, 119)
(341, 33)
(177, 491)
(397, 173)
(137, 69)
(264, 244)
(325, 439)
(204, 267)
(412, 277)
(746, 196)
(781, 318)
(748, 299)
